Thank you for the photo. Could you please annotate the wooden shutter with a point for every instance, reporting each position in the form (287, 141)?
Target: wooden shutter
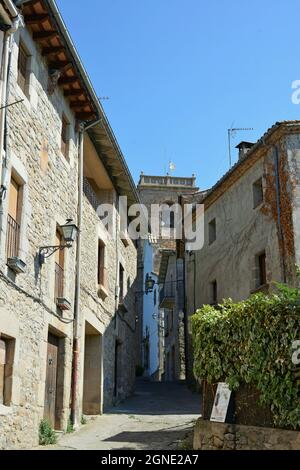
(14, 197)
(22, 67)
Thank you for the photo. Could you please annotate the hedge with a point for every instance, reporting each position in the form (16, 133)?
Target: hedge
(251, 342)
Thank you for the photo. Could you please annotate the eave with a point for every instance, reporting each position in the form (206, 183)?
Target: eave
(48, 30)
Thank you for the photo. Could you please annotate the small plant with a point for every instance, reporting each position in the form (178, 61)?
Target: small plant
(83, 420)
(47, 435)
(70, 427)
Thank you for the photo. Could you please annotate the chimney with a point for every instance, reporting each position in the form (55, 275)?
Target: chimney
(244, 148)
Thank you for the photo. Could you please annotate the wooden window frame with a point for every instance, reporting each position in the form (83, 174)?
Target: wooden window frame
(64, 146)
(23, 59)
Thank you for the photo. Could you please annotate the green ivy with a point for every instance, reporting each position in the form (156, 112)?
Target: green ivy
(251, 342)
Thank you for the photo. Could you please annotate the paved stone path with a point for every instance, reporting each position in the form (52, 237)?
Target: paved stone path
(157, 417)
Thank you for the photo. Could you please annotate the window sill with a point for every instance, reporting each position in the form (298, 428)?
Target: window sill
(102, 292)
(264, 289)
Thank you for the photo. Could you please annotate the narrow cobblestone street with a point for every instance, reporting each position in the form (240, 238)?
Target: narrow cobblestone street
(158, 417)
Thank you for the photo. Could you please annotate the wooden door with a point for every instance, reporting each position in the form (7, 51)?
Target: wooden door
(51, 380)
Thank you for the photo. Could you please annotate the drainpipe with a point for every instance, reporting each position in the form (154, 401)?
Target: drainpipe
(281, 236)
(17, 21)
(77, 317)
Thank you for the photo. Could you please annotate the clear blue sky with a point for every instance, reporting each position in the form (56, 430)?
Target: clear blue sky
(180, 72)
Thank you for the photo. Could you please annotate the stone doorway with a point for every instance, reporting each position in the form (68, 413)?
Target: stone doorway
(54, 387)
(92, 380)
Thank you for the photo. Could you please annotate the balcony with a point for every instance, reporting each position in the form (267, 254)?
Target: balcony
(12, 246)
(90, 194)
(167, 295)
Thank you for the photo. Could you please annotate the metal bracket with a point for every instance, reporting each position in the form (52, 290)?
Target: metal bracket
(47, 251)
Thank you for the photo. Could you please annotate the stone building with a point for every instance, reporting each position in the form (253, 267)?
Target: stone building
(251, 223)
(168, 265)
(67, 307)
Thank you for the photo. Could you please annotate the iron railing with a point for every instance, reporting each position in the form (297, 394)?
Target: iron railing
(59, 282)
(12, 238)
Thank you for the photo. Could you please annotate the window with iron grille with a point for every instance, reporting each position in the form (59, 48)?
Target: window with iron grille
(13, 220)
(22, 68)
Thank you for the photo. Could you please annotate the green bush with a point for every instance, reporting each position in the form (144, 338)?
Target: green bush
(47, 435)
(251, 342)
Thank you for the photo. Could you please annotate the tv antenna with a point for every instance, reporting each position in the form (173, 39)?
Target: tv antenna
(231, 133)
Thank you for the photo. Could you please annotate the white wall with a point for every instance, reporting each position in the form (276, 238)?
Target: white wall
(151, 313)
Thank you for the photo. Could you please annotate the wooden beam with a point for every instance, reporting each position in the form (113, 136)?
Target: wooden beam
(37, 18)
(61, 66)
(73, 93)
(79, 104)
(85, 116)
(53, 50)
(68, 80)
(44, 35)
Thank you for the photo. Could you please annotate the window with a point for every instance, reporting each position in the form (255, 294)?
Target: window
(212, 231)
(22, 68)
(155, 297)
(7, 348)
(168, 215)
(2, 369)
(13, 220)
(262, 273)
(101, 263)
(121, 283)
(59, 268)
(258, 193)
(213, 293)
(65, 137)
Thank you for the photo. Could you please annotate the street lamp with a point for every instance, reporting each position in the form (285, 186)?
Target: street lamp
(149, 284)
(69, 233)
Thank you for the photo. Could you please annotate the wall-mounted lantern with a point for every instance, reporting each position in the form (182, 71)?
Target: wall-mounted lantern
(149, 284)
(69, 232)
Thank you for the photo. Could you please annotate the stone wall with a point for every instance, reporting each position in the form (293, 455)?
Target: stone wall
(219, 436)
(49, 196)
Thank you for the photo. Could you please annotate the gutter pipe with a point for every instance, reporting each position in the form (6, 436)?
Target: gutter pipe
(77, 317)
(17, 21)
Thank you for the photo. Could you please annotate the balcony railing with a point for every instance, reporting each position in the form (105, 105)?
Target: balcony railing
(59, 282)
(90, 194)
(12, 238)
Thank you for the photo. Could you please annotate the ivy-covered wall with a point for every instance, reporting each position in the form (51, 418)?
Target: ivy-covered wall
(250, 342)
